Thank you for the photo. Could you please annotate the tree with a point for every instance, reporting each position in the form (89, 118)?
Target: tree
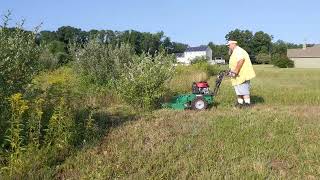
(219, 50)
(179, 47)
(280, 47)
(48, 36)
(167, 45)
(243, 37)
(261, 43)
(68, 34)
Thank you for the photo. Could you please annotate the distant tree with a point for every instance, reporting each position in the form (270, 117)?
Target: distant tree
(261, 43)
(48, 36)
(68, 34)
(167, 45)
(244, 38)
(179, 47)
(151, 42)
(280, 47)
(219, 50)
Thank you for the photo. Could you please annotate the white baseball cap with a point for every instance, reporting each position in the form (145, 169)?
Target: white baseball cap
(231, 42)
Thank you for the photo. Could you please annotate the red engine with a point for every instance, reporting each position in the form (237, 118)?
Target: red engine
(200, 87)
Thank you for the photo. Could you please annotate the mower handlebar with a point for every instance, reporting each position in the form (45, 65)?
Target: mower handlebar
(219, 79)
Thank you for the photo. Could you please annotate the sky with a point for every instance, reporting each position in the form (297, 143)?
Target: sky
(194, 22)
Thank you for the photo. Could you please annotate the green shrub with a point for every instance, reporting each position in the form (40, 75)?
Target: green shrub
(43, 129)
(47, 60)
(263, 58)
(211, 70)
(60, 129)
(142, 82)
(282, 61)
(19, 56)
(199, 60)
(100, 63)
(14, 136)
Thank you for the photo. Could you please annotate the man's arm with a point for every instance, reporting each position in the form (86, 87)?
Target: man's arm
(239, 66)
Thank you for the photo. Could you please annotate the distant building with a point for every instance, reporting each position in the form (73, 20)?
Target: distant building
(218, 60)
(192, 53)
(307, 57)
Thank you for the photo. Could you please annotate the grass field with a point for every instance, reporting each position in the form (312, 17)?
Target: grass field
(278, 138)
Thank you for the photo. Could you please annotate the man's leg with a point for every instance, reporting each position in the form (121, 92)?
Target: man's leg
(240, 99)
(243, 93)
(246, 99)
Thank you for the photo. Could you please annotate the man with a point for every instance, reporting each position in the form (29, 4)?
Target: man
(241, 71)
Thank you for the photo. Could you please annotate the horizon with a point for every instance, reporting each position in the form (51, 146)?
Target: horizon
(192, 23)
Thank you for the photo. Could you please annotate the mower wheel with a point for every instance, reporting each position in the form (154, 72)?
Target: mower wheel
(199, 104)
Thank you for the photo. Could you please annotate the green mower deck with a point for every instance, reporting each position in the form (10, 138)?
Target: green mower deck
(189, 101)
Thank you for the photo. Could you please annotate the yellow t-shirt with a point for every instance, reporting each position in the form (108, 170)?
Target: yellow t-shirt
(246, 72)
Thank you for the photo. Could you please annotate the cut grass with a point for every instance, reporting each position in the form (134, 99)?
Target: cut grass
(278, 138)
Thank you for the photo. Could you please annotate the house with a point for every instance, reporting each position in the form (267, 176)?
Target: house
(192, 53)
(307, 57)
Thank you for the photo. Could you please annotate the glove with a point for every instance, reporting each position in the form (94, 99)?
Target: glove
(232, 74)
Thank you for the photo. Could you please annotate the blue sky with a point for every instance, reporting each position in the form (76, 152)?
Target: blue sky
(193, 22)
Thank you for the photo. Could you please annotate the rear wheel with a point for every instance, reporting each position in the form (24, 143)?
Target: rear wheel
(199, 104)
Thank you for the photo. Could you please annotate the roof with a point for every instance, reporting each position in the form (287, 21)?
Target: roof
(179, 55)
(199, 48)
(309, 52)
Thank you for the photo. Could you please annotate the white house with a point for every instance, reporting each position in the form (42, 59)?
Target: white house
(192, 53)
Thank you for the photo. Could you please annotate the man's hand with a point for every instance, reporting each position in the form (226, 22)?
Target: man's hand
(232, 74)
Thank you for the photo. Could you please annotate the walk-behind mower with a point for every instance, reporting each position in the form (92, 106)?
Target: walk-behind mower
(200, 98)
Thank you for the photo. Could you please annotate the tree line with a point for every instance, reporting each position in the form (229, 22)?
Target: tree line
(259, 44)
(58, 41)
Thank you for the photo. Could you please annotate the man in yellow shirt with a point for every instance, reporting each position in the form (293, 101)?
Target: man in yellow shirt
(241, 71)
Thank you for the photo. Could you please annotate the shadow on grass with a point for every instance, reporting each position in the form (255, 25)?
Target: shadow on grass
(257, 100)
(254, 100)
(103, 122)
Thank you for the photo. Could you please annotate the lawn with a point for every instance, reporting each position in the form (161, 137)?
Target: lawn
(278, 138)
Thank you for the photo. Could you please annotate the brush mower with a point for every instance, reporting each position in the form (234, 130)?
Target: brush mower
(200, 98)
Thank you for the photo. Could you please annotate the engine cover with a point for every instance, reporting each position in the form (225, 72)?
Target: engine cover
(200, 88)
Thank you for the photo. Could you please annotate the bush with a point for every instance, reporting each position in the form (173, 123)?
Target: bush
(143, 82)
(263, 58)
(44, 129)
(199, 60)
(19, 56)
(47, 60)
(211, 70)
(282, 61)
(100, 63)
